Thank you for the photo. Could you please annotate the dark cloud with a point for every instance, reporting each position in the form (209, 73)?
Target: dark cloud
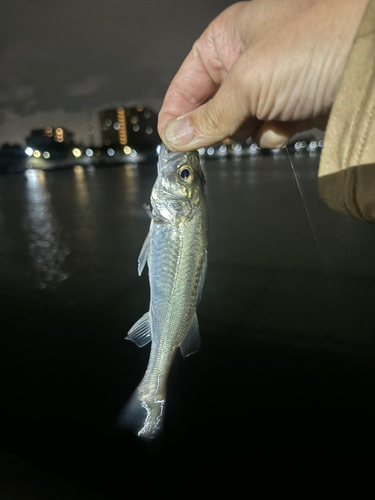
(77, 55)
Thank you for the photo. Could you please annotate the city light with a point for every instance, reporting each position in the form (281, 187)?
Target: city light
(59, 135)
(122, 133)
(115, 142)
(77, 152)
(48, 131)
(237, 147)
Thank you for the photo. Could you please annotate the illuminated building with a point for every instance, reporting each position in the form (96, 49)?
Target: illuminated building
(50, 143)
(49, 137)
(136, 127)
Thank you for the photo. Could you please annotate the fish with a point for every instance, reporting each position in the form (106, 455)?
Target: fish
(175, 251)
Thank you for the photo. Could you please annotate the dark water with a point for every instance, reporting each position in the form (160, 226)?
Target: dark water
(286, 367)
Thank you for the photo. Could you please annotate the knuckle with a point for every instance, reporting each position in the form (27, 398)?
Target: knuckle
(208, 122)
(212, 116)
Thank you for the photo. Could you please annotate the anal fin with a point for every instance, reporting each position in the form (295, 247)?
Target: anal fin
(192, 341)
(140, 332)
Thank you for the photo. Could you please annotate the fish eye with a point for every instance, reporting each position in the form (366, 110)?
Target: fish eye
(186, 173)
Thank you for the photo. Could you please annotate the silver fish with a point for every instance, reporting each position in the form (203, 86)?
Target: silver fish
(175, 250)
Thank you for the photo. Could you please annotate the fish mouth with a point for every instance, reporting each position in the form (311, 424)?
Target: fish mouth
(165, 152)
(166, 156)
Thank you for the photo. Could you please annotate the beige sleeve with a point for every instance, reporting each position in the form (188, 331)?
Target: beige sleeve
(346, 176)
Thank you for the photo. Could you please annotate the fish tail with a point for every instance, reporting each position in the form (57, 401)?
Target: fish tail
(143, 416)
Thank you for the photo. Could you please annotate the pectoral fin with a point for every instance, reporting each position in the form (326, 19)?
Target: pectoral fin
(192, 341)
(143, 256)
(202, 280)
(140, 332)
(148, 210)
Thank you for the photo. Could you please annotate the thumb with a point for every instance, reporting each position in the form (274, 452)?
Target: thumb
(213, 121)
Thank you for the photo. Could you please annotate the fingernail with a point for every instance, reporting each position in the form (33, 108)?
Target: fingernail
(179, 132)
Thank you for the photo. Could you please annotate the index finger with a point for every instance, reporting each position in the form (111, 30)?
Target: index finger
(205, 67)
(193, 84)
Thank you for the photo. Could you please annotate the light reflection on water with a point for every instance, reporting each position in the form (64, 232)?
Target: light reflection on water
(46, 247)
(131, 188)
(49, 215)
(83, 206)
(81, 192)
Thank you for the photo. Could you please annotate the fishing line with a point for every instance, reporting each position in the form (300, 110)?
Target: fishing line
(311, 225)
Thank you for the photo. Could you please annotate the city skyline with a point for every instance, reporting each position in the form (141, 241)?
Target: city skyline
(63, 62)
(136, 125)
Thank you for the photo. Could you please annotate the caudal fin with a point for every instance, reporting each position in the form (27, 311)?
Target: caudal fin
(144, 418)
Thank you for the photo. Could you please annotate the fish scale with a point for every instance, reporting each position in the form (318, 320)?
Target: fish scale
(173, 306)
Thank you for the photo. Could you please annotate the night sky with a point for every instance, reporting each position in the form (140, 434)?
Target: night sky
(62, 61)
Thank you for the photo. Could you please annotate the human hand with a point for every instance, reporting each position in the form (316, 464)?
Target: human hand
(270, 68)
